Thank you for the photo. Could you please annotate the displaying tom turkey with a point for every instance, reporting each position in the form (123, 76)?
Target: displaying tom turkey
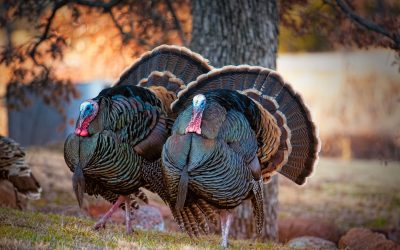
(237, 126)
(117, 144)
(13, 167)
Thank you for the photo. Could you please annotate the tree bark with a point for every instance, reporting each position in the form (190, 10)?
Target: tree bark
(240, 32)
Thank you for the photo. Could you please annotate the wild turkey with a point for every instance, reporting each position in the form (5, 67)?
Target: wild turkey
(13, 167)
(116, 148)
(226, 143)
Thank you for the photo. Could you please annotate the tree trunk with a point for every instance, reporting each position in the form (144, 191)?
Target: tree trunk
(240, 32)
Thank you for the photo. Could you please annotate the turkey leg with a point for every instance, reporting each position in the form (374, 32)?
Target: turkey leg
(226, 220)
(128, 217)
(102, 222)
(17, 200)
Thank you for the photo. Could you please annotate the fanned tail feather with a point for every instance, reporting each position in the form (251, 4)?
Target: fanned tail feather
(165, 70)
(181, 62)
(165, 86)
(299, 140)
(279, 156)
(166, 79)
(228, 77)
(296, 150)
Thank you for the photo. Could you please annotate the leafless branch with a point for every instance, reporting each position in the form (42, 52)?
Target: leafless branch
(99, 4)
(59, 4)
(116, 24)
(45, 34)
(369, 25)
(107, 7)
(177, 23)
(49, 45)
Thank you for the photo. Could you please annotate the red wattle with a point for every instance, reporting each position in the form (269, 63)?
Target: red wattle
(194, 125)
(78, 131)
(81, 129)
(84, 133)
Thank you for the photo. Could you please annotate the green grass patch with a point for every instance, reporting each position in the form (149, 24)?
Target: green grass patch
(24, 230)
(378, 223)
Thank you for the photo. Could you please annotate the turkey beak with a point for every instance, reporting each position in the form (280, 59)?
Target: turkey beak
(78, 182)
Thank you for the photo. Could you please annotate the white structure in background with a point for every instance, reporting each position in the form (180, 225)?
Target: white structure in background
(347, 91)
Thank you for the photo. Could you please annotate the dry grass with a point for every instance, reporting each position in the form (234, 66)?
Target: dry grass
(26, 230)
(348, 193)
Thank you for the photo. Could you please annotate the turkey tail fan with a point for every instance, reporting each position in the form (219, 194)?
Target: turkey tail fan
(228, 77)
(272, 155)
(297, 149)
(181, 62)
(299, 139)
(166, 79)
(165, 86)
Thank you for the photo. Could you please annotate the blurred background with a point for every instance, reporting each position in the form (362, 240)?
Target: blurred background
(349, 78)
(353, 93)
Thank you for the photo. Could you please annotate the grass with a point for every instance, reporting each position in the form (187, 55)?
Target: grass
(352, 193)
(26, 230)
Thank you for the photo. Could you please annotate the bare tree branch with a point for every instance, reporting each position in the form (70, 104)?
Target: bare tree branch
(369, 25)
(59, 4)
(45, 34)
(177, 23)
(116, 24)
(99, 4)
(32, 62)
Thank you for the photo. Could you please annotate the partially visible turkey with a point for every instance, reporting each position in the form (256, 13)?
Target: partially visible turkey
(226, 143)
(117, 144)
(13, 167)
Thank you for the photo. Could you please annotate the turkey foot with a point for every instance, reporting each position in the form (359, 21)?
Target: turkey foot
(226, 220)
(103, 221)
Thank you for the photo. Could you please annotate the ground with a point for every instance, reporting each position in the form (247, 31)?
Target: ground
(25, 230)
(346, 193)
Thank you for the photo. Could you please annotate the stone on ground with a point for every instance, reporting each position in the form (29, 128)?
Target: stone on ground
(362, 238)
(311, 242)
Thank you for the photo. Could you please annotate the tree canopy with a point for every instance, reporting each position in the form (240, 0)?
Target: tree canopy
(127, 28)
